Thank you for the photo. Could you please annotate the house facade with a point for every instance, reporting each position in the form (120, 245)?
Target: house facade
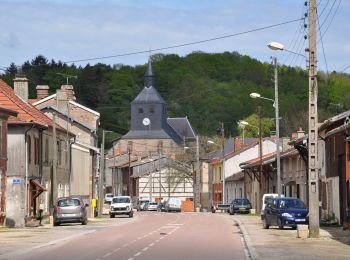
(83, 122)
(4, 115)
(34, 177)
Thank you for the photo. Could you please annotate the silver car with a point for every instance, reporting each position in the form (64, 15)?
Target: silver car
(70, 210)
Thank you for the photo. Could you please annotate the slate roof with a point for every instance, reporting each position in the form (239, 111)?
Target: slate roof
(27, 114)
(149, 95)
(182, 127)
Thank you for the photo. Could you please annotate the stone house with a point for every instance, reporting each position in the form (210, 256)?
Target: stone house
(4, 115)
(83, 122)
(31, 167)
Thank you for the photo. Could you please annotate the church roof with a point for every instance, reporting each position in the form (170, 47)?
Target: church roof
(149, 95)
(182, 127)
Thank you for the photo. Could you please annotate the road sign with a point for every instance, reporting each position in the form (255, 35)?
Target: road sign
(16, 181)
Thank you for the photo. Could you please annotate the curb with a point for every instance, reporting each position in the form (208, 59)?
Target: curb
(250, 250)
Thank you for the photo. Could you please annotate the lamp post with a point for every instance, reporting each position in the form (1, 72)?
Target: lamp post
(101, 178)
(197, 189)
(276, 106)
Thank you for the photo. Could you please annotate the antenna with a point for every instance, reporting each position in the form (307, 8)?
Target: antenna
(67, 76)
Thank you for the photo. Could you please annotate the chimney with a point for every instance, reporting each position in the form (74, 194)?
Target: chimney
(69, 90)
(62, 101)
(238, 143)
(21, 86)
(300, 132)
(42, 91)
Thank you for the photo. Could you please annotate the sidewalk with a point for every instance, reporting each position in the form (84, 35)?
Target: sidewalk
(334, 243)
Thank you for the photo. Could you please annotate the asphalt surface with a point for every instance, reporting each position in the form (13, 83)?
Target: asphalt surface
(149, 235)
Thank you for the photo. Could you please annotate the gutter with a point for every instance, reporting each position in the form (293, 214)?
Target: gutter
(26, 169)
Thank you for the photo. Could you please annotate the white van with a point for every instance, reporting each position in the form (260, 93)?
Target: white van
(265, 198)
(173, 204)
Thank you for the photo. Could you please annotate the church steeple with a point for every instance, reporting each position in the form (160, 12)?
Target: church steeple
(149, 76)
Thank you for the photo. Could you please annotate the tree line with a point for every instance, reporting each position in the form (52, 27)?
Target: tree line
(209, 88)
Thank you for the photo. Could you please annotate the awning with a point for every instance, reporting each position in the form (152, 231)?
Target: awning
(39, 188)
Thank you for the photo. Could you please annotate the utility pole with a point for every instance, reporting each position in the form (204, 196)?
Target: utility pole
(102, 169)
(278, 155)
(314, 223)
(223, 161)
(197, 177)
(261, 173)
(54, 162)
(129, 170)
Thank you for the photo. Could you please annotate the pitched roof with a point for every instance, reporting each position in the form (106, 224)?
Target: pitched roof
(182, 127)
(147, 95)
(26, 112)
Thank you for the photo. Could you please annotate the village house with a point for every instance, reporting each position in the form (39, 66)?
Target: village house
(31, 167)
(83, 122)
(335, 180)
(4, 115)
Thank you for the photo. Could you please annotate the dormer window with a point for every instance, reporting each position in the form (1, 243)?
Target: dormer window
(140, 110)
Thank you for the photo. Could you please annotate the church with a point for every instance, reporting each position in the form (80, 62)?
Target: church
(146, 161)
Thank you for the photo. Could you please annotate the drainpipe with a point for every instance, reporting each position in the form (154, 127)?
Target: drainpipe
(70, 163)
(26, 170)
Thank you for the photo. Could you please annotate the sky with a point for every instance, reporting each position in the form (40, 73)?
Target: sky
(71, 30)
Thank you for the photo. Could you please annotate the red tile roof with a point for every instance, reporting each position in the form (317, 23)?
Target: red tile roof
(26, 112)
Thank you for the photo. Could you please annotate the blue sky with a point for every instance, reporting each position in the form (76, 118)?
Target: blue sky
(72, 30)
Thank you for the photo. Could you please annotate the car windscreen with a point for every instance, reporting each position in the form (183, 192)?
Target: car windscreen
(291, 204)
(68, 202)
(109, 195)
(121, 200)
(153, 203)
(241, 201)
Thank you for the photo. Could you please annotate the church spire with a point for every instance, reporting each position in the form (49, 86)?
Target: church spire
(149, 76)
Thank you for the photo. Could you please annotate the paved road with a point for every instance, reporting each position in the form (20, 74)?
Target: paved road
(152, 236)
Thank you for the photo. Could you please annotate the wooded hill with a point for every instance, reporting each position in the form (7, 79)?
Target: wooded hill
(208, 88)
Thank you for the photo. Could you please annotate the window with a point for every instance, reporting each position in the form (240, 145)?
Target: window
(46, 150)
(151, 109)
(59, 152)
(36, 150)
(29, 148)
(140, 110)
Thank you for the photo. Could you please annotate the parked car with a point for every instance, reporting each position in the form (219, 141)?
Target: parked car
(152, 206)
(161, 207)
(240, 206)
(265, 199)
(121, 205)
(141, 205)
(287, 211)
(108, 198)
(70, 210)
(173, 204)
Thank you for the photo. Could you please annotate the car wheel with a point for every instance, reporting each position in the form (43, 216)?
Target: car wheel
(56, 224)
(213, 211)
(294, 228)
(131, 214)
(111, 215)
(265, 225)
(279, 223)
(84, 222)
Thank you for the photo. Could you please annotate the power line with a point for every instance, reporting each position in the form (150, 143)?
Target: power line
(324, 55)
(186, 44)
(346, 68)
(325, 19)
(331, 21)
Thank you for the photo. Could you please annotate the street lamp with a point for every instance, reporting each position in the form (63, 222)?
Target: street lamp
(102, 169)
(276, 106)
(196, 185)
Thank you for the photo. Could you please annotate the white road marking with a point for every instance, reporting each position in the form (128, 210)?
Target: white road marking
(115, 250)
(152, 244)
(138, 253)
(175, 224)
(108, 254)
(131, 258)
(146, 248)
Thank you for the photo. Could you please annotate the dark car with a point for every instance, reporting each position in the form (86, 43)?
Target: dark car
(240, 206)
(161, 207)
(287, 211)
(70, 210)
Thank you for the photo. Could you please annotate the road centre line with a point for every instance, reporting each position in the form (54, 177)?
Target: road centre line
(138, 253)
(115, 250)
(152, 244)
(108, 254)
(146, 248)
